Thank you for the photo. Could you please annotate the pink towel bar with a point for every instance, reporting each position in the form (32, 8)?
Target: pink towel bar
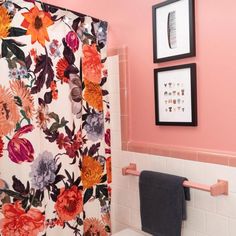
(220, 188)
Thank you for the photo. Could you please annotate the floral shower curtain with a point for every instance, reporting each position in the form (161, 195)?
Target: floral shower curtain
(55, 164)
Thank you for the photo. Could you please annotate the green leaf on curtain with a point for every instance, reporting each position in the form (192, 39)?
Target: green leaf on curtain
(94, 149)
(11, 62)
(35, 202)
(15, 32)
(13, 46)
(88, 194)
(18, 186)
(48, 97)
(58, 168)
(77, 181)
(108, 229)
(54, 127)
(13, 194)
(79, 221)
(54, 116)
(63, 122)
(70, 179)
(25, 116)
(105, 92)
(18, 126)
(44, 66)
(104, 60)
(59, 178)
(103, 189)
(104, 80)
(18, 101)
(103, 179)
(4, 49)
(28, 62)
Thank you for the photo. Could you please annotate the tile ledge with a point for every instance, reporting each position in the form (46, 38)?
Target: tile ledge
(186, 153)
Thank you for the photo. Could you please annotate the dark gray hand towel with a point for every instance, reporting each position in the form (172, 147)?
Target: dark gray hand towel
(162, 203)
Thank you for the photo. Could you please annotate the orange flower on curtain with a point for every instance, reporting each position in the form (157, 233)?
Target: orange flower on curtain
(91, 172)
(108, 166)
(9, 114)
(91, 63)
(5, 21)
(25, 98)
(93, 95)
(36, 23)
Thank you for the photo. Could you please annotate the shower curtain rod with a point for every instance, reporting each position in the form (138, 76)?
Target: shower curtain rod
(66, 9)
(220, 188)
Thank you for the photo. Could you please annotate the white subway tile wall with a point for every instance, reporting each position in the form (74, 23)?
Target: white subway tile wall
(207, 215)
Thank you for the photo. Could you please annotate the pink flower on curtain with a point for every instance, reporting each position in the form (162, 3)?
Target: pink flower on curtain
(20, 149)
(72, 41)
(94, 226)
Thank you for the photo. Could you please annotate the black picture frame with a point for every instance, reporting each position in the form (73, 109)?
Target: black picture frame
(176, 40)
(175, 91)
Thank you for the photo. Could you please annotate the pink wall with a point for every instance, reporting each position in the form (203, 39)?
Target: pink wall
(130, 25)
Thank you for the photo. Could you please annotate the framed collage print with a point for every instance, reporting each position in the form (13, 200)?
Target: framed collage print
(176, 95)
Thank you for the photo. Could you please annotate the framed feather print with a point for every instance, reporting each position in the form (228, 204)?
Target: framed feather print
(173, 30)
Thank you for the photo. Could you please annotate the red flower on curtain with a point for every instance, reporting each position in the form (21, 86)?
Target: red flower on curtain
(108, 137)
(20, 149)
(69, 203)
(72, 41)
(61, 67)
(108, 168)
(1, 146)
(17, 221)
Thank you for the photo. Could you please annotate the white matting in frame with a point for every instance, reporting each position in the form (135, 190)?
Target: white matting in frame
(175, 95)
(173, 30)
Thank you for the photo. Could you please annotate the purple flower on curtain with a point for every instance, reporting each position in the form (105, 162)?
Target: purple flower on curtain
(54, 48)
(9, 6)
(94, 126)
(43, 171)
(101, 31)
(72, 41)
(14, 73)
(76, 95)
(20, 149)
